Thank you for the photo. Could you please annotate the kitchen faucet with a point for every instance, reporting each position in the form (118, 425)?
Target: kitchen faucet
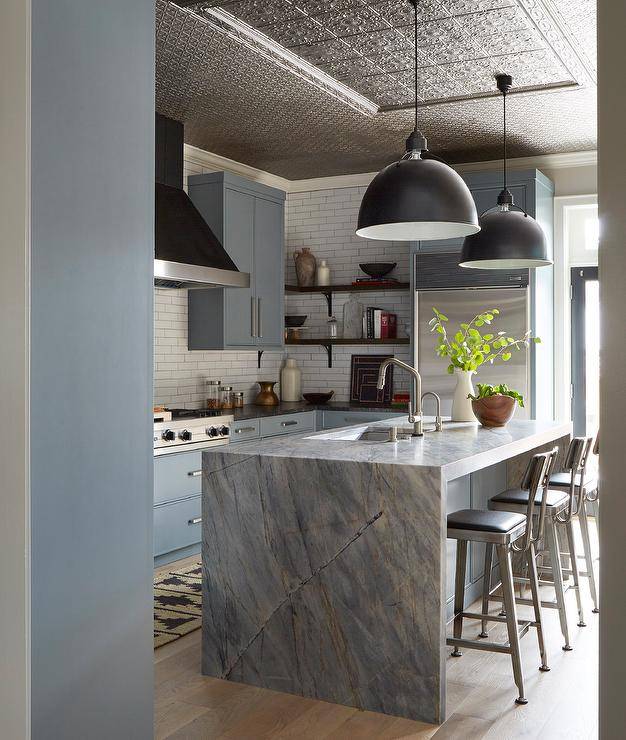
(415, 414)
(438, 420)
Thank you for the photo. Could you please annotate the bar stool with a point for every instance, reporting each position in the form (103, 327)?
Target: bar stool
(508, 532)
(585, 484)
(561, 506)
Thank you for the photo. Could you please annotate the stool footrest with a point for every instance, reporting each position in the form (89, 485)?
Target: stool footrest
(496, 618)
(496, 647)
(526, 602)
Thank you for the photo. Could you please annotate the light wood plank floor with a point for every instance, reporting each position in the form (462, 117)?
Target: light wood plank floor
(481, 693)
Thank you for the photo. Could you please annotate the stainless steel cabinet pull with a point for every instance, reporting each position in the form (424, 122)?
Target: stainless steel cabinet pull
(288, 423)
(259, 326)
(194, 473)
(197, 520)
(241, 430)
(253, 318)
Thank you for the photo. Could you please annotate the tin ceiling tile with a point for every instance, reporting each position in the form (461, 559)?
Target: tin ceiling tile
(349, 23)
(237, 101)
(301, 31)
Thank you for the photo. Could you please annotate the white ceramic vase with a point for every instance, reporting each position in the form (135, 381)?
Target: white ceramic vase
(461, 404)
(290, 381)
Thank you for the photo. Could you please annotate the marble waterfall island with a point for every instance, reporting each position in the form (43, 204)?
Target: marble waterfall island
(325, 558)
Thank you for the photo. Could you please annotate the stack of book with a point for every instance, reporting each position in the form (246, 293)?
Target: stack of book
(379, 324)
(371, 282)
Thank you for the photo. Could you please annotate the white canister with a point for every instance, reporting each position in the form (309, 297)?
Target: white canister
(323, 274)
(290, 381)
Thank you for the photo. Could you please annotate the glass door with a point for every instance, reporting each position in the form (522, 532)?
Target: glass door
(585, 350)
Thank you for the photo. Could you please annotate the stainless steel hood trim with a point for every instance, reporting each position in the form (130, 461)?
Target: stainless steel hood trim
(196, 276)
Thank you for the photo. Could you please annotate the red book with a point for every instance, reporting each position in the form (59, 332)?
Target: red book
(384, 325)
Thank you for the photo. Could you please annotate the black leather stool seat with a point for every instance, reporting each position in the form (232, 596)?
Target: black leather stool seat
(475, 520)
(563, 481)
(520, 496)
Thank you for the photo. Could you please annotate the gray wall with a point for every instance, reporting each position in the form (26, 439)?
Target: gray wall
(91, 368)
(14, 249)
(612, 259)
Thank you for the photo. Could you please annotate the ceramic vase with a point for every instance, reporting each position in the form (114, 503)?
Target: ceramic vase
(461, 404)
(323, 274)
(305, 267)
(290, 381)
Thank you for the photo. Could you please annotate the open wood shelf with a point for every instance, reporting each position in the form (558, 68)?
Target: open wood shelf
(328, 290)
(347, 288)
(329, 343)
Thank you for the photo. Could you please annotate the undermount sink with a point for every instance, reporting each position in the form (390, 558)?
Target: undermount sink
(368, 434)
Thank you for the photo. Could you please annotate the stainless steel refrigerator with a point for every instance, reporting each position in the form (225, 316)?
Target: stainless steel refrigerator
(461, 305)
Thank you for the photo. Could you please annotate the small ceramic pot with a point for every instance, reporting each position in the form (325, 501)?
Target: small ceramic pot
(266, 396)
(494, 411)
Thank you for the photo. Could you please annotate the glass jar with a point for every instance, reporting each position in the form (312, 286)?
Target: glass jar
(227, 398)
(238, 400)
(213, 400)
(333, 328)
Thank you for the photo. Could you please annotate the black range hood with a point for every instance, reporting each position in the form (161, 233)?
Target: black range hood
(187, 252)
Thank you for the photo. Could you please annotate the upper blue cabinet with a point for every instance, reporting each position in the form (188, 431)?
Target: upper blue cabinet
(248, 218)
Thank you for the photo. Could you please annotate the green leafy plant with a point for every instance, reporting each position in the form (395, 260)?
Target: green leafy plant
(486, 391)
(468, 348)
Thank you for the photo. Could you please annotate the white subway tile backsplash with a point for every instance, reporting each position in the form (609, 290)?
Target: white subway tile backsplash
(324, 221)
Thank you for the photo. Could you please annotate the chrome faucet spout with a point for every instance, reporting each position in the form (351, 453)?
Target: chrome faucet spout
(414, 413)
(438, 419)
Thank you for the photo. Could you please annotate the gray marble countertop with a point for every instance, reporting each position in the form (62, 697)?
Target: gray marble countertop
(461, 448)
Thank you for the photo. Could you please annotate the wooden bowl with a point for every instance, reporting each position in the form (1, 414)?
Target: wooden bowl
(318, 397)
(494, 411)
(294, 321)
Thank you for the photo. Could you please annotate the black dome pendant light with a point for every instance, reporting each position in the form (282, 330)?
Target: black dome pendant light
(507, 238)
(417, 198)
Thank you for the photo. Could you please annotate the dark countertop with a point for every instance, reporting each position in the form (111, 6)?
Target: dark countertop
(250, 411)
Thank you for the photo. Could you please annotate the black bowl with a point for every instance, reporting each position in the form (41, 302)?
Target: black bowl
(377, 269)
(293, 321)
(318, 397)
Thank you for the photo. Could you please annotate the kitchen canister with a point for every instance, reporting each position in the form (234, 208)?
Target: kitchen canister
(227, 399)
(213, 400)
(322, 276)
(305, 267)
(290, 381)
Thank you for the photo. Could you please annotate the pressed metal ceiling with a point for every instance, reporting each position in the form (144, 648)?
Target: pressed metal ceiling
(307, 88)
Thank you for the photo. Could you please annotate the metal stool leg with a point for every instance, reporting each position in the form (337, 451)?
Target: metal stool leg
(569, 528)
(531, 557)
(584, 531)
(486, 585)
(508, 592)
(555, 563)
(459, 593)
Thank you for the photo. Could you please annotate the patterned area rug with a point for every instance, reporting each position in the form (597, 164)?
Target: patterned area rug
(177, 604)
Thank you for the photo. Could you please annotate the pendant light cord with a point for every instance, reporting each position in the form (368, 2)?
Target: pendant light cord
(504, 136)
(415, 60)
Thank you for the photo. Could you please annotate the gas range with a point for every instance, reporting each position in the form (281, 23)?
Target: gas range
(179, 430)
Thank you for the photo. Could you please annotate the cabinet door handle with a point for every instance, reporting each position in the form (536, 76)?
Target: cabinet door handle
(259, 326)
(194, 473)
(288, 423)
(241, 430)
(253, 318)
(196, 520)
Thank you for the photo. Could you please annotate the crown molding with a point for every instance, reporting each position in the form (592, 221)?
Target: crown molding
(215, 162)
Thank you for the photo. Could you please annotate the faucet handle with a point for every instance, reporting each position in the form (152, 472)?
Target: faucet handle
(411, 414)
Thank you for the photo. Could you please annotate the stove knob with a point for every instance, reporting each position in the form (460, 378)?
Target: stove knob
(168, 435)
(212, 432)
(185, 435)
(224, 431)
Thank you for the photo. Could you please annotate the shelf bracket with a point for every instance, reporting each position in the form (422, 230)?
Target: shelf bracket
(259, 354)
(329, 300)
(329, 351)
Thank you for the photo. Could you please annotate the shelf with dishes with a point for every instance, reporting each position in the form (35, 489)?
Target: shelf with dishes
(328, 343)
(367, 286)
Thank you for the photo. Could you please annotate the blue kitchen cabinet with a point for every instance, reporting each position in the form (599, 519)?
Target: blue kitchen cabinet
(248, 219)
